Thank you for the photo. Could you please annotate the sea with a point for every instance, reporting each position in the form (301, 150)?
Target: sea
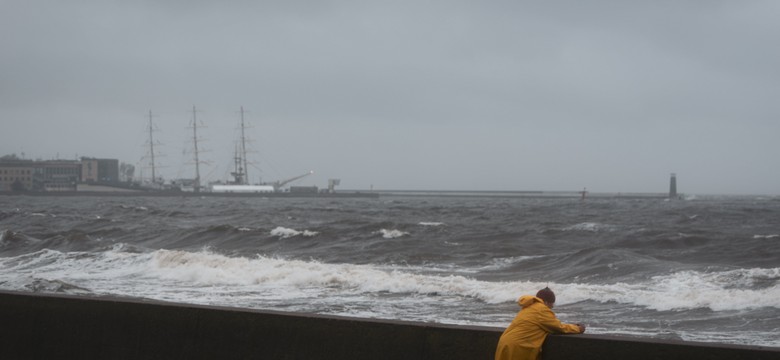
(702, 268)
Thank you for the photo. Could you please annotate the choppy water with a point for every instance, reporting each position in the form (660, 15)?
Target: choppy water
(703, 269)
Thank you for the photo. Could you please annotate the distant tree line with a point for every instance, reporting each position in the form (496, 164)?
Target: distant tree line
(10, 157)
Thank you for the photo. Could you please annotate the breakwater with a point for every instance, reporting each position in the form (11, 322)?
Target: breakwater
(189, 194)
(39, 326)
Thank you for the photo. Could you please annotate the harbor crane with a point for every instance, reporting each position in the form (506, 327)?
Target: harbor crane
(278, 184)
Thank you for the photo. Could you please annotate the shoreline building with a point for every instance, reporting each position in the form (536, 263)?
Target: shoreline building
(56, 175)
(95, 170)
(16, 175)
(19, 175)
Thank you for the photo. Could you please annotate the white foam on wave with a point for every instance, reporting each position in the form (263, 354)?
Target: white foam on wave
(207, 277)
(391, 234)
(589, 226)
(503, 263)
(718, 291)
(430, 223)
(295, 276)
(136, 208)
(110, 272)
(770, 236)
(681, 290)
(284, 232)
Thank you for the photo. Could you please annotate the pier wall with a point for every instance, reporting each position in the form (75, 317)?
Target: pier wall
(36, 326)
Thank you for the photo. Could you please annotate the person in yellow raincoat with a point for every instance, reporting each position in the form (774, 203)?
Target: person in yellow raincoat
(523, 338)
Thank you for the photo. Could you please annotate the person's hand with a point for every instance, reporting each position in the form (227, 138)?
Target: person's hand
(582, 328)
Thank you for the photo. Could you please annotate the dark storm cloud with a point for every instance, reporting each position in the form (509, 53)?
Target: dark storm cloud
(453, 95)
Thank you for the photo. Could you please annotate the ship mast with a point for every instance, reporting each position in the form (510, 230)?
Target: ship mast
(151, 146)
(195, 142)
(238, 174)
(243, 149)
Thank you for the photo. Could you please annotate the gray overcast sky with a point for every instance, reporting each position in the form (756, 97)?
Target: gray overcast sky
(450, 95)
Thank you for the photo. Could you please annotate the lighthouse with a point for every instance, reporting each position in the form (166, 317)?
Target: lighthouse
(673, 186)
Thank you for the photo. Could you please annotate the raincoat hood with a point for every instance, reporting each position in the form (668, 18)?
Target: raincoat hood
(528, 300)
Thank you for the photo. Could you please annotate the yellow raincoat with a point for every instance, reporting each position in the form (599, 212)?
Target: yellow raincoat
(523, 339)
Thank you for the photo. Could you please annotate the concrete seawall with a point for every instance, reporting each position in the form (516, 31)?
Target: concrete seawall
(36, 326)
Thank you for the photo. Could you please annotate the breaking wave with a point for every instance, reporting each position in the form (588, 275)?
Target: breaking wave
(284, 232)
(201, 271)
